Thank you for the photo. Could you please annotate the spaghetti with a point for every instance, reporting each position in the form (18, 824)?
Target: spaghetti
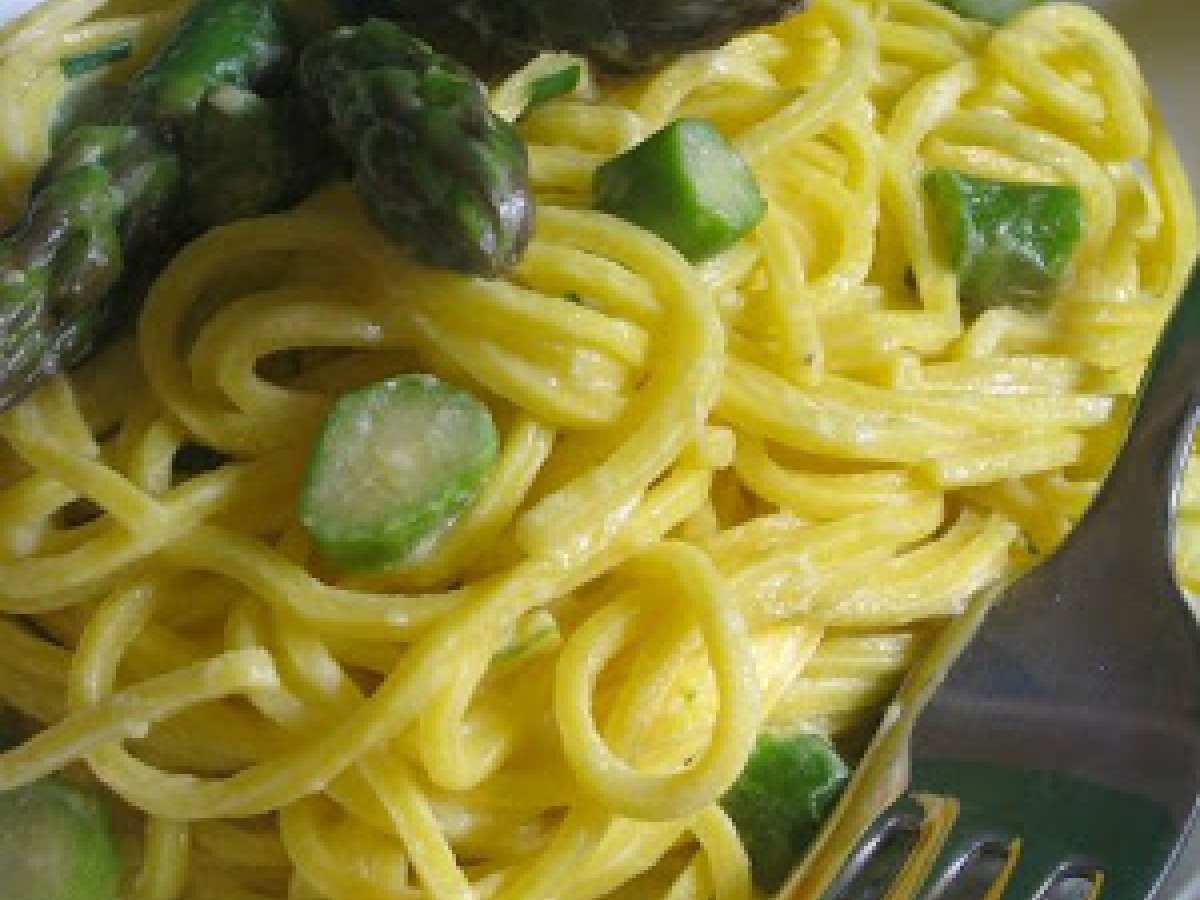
(730, 497)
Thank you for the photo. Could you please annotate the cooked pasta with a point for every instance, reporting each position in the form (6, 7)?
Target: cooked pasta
(730, 497)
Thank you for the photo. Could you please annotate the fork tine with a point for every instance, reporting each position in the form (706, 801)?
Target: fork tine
(1039, 875)
(881, 854)
(942, 844)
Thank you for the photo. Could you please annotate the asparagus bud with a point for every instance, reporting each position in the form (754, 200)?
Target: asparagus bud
(435, 168)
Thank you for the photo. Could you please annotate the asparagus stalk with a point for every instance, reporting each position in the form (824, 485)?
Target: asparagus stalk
(245, 155)
(219, 42)
(57, 842)
(111, 193)
(435, 168)
(626, 35)
(101, 200)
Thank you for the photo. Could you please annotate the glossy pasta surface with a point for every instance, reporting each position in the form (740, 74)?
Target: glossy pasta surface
(730, 497)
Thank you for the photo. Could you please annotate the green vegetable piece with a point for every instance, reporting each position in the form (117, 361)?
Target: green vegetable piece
(219, 42)
(685, 183)
(100, 200)
(436, 169)
(620, 34)
(554, 84)
(395, 464)
(101, 57)
(1009, 243)
(997, 12)
(245, 155)
(781, 799)
(57, 843)
(114, 191)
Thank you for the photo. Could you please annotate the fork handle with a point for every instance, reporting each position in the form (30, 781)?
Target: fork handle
(1143, 485)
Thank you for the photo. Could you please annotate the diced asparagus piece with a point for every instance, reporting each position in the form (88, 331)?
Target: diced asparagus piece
(545, 77)
(1009, 243)
(781, 799)
(395, 464)
(685, 183)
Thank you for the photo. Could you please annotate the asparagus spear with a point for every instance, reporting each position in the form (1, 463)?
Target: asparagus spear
(101, 200)
(435, 168)
(245, 155)
(111, 193)
(219, 42)
(624, 34)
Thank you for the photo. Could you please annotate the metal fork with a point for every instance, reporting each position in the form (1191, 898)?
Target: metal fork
(1050, 748)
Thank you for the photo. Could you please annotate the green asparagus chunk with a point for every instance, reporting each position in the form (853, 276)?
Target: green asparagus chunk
(997, 12)
(395, 464)
(101, 57)
(622, 34)
(1009, 243)
(57, 843)
(245, 155)
(685, 183)
(219, 42)
(100, 200)
(435, 168)
(781, 799)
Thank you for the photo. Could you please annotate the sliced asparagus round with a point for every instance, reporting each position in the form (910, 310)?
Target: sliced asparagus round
(394, 465)
(56, 843)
